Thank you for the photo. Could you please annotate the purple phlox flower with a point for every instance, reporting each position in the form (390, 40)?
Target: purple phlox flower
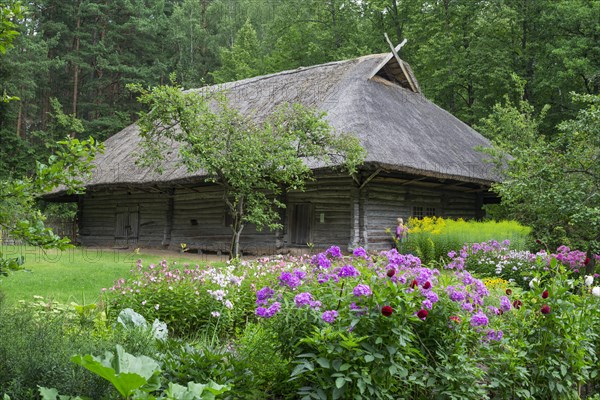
(494, 310)
(495, 335)
(457, 264)
(359, 252)
(321, 260)
(425, 274)
(504, 303)
(315, 304)
(506, 243)
(329, 316)
(362, 290)
(348, 271)
(263, 295)
(481, 289)
(479, 319)
(432, 296)
(475, 298)
(466, 277)
(299, 274)
(452, 254)
(427, 304)
(268, 312)
(323, 278)
(334, 251)
(467, 307)
(289, 279)
(455, 295)
(303, 299)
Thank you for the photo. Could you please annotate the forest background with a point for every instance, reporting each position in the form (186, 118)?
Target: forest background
(74, 58)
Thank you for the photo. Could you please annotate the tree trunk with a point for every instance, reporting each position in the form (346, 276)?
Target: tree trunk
(450, 52)
(237, 213)
(75, 65)
(19, 122)
(398, 25)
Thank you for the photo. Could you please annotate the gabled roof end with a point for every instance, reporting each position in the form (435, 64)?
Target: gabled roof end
(394, 70)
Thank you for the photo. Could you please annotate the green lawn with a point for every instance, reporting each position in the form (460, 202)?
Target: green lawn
(77, 274)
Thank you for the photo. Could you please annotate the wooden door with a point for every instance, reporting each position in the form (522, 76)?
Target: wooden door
(300, 224)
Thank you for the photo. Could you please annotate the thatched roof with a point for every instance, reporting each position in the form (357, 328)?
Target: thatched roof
(370, 96)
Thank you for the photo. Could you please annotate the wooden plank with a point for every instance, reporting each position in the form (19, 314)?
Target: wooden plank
(401, 64)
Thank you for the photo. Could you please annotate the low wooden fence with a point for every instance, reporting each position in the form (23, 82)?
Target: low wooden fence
(63, 227)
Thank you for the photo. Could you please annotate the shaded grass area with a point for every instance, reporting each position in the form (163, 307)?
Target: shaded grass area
(78, 274)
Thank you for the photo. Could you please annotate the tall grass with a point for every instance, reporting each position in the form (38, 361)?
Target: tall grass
(431, 238)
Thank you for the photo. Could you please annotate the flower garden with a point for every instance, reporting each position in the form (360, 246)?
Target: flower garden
(486, 322)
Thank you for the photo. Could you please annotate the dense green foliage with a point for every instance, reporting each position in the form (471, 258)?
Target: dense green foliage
(19, 211)
(322, 326)
(551, 182)
(42, 341)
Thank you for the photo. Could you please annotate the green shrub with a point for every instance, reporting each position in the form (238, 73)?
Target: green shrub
(36, 349)
(192, 301)
(383, 327)
(251, 365)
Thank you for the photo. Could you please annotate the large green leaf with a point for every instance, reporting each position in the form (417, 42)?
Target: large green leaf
(195, 391)
(125, 371)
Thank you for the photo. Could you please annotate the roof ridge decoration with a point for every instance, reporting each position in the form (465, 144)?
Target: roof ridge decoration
(394, 70)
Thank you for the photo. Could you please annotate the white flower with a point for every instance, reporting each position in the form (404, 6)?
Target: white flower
(533, 282)
(589, 280)
(215, 314)
(596, 291)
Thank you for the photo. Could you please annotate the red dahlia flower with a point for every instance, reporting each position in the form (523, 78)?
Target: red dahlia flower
(426, 285)
(414, 283)
(545, 294)
(422, 314)
(545, 309)
(391, 272)
(387, 311)
(508, 292)
(455, 318)
(517, 304)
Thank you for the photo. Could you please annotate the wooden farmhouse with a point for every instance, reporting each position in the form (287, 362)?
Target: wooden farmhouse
(421, 161)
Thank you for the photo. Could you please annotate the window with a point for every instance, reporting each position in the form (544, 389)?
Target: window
(417, 212)
(300, 224)
(420, 212)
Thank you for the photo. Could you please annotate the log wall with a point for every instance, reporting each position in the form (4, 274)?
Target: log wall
(331, 199)
(342, 214)
(97, 218)
(387, 200)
